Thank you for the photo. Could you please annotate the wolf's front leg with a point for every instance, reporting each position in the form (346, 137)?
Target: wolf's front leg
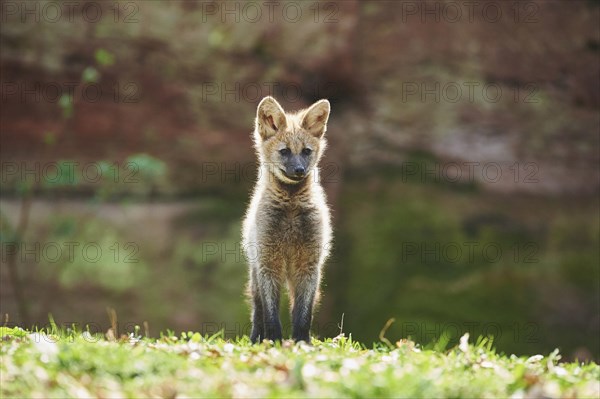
(306, 285)
(258, 320)
(270, 287)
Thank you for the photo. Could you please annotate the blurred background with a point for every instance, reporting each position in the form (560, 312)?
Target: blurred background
(462, 169)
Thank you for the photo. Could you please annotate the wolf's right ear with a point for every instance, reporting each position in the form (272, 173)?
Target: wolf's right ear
(270, 118)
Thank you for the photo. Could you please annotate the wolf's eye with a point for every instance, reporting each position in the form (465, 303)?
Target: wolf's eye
(307, 151)
(285, 151)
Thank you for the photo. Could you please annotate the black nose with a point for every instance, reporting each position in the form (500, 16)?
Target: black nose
(300, 171)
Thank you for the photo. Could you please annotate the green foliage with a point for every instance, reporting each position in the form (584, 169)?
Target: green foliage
(63, 175)
(49, 138)
(14, 332)
(150, 168)
(139, 174)
(104, 57)
(66, 105)
(72, 363)
(90, 75)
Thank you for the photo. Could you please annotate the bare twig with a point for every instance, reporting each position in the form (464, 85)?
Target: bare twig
(341, 325)
(383, 331)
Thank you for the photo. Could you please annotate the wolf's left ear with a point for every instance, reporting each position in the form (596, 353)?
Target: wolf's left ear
(315, 118)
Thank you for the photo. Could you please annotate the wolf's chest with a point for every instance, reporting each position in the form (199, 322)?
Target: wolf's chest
(292, 224)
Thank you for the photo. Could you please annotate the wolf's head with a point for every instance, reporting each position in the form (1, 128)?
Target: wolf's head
(290, 144)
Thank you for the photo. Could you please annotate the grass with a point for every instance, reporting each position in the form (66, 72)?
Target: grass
(75, 364)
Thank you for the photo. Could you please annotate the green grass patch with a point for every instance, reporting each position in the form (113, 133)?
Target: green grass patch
(79, 364)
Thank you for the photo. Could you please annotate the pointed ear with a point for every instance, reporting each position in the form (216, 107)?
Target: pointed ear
(315, 118)
(270, 118)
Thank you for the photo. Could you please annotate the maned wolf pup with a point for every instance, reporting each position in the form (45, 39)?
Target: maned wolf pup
(287, 232)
